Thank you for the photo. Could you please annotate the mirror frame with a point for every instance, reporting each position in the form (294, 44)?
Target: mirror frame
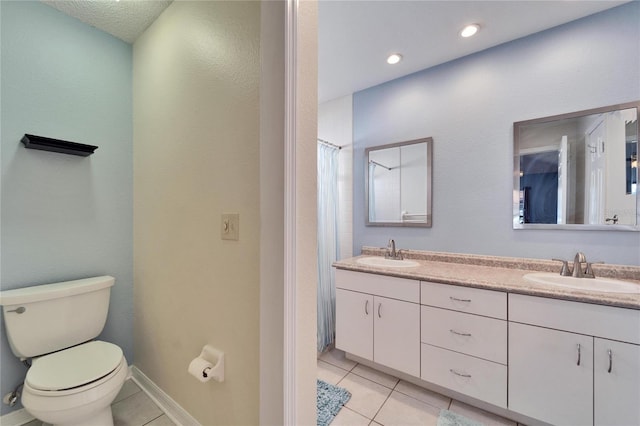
(429, 196)
(516, 172)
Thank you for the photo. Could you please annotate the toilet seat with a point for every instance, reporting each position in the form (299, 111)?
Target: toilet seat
(75, 369)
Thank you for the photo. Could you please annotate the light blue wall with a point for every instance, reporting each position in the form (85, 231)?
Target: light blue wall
(469, 105)
(65, 217)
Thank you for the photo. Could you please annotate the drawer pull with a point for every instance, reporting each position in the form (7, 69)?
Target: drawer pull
(460, 374)
(460, 334)
(379, 306)
(579, 350)
(366, 308)
(610, 360)
(459, 300)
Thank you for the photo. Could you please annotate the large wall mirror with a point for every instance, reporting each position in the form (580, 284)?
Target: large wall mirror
(578, 170)
(398, 184)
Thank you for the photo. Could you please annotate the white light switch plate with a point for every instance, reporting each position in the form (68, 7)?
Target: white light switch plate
(230, 226)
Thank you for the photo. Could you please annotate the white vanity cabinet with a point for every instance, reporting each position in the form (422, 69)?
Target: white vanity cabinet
(354, 323)
(616, 370)
(464, 340)
(551, 375)
(378, 318)
(559, 362)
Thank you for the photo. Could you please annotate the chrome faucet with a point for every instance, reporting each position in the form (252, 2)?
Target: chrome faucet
(577, 271)
(391, 251)
(578, 260)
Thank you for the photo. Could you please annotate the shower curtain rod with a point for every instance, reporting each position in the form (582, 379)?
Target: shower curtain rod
(322, 141)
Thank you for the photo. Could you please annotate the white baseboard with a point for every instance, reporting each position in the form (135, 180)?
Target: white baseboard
(16, 418)
(172, 409)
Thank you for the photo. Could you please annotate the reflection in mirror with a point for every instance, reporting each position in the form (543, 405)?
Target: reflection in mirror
(398, 184)
(578, 170)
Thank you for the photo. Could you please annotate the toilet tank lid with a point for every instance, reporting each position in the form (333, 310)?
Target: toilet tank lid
(53, 291)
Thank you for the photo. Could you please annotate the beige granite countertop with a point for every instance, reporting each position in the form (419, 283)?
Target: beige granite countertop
(498, 273)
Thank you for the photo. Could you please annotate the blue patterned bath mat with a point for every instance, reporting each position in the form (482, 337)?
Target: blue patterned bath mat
(330, 400)
(449, 418)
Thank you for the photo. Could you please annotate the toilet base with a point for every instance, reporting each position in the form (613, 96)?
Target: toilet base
(87, 406)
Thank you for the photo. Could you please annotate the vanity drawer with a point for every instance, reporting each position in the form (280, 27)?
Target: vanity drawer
(584, 318)
(470, 334)
(380, 285)
(480, 379)
(465, 299)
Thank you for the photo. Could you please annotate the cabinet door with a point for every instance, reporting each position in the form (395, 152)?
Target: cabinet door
(354, 323)
(397, 335)
(616, 383)
(551, 375)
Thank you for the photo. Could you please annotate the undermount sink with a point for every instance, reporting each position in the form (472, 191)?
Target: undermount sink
(604, 285)
(381, 261)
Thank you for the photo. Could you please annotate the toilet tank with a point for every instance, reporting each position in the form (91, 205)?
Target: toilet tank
(46, 318)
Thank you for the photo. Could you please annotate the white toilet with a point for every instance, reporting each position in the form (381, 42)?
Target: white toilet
(73, 379)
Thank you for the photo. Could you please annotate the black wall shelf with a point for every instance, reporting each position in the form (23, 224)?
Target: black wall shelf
(57, 145)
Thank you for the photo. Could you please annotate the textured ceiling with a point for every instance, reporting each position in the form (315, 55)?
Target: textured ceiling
(125, 19)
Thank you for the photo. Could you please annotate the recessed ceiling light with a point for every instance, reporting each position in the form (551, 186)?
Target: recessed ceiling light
(469, 30)
(394, 58)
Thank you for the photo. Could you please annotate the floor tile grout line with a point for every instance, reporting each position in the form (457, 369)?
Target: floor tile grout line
(385, 401)
(337, 366)
(366, 417)
(154, 419)
(377, 383)
(419, 400)
(348, 371)
(354, 411)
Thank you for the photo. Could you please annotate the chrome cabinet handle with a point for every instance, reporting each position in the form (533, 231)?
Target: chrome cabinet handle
(459, 374)
(379, 306)
(366, 308)
(579, 350)
(459, 300)
(460, 334)
(610, 360)
(20, 310)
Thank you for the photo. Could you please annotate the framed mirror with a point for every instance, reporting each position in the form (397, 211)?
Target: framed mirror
(578, 170)
(398, 184)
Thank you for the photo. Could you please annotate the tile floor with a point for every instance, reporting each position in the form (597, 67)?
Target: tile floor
(380, 399)
(132, 407)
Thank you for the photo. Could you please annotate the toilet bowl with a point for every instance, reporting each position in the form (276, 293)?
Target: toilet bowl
(73, 379)
(75, 386)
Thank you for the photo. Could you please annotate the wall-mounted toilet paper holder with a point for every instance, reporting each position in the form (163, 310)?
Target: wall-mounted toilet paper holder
(208, 365)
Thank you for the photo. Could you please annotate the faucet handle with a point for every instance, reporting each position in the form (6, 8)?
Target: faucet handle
(399, 255)
(564, 271)
(588, 272)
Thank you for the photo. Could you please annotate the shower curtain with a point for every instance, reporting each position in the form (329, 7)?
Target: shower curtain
(328, 251)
